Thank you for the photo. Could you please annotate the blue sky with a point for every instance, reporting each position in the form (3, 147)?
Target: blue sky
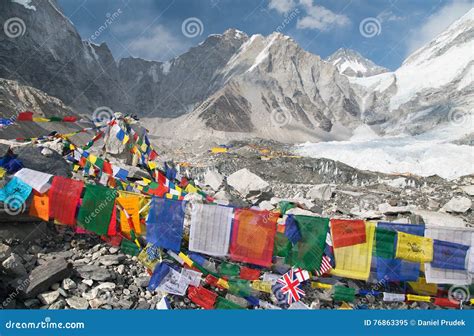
(153, 29)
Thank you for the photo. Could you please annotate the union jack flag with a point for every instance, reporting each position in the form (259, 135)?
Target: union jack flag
(291, 287)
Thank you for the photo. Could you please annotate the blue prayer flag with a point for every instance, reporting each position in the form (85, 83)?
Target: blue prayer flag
(396, 269)
(15, 193)
(292, 232)
(449, 255)
(165, 223)
(161, 270)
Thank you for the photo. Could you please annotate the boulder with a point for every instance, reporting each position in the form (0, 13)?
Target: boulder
(31, 157)
(247, 183)
(468, 190)
(13, 265)
(321, 192)
(93, 272)
(5, 252)
(109, 260)
(49, 297)
(77, 303)
(213, 179)
(458, 204)
(43, 276)
(68, 284)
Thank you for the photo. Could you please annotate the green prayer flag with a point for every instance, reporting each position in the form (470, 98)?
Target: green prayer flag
(55, 119)
(223, 303)
(308, 252)
(385, 243)
(285, 206)
(229, 270)
(96, 209)
(345, 294)
(129, 247)
(240, 288)
(282, 246)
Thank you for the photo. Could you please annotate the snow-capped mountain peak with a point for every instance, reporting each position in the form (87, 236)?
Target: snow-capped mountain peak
(351, 63)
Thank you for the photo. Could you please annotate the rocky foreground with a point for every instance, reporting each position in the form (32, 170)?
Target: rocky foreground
(49, 267)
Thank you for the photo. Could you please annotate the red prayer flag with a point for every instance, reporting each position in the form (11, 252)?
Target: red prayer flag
(25, 116)
(347, 232)
(70, 119)
(112, 231)
(107, 168)
(445, 302)
(248, 273)
(202, 297)
(64, 197)
(253, 236)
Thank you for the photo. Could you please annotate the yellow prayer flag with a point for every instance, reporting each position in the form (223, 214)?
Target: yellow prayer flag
(40, 119)
(354, 261)
(92, 158)
(223, 283)
(320, 285)
(419, 298)
(262, 286)
(76, 168)
(2, 172)
(144, 147)
(146, 181)
(125, 139)
(152, 165)
(345, 306)
(217, 150)
(414, 248)
(191, 189)
(131, 204)
(186, 259)
(472, 301)
(422, 288)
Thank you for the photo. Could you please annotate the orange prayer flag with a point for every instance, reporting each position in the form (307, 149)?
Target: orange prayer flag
(131, 204)
(253, 236)
(40, 206)
(347, 232)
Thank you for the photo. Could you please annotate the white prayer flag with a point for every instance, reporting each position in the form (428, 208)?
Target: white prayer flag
(392, 297)
(463, 236)
(470, 260)
(210, 229)
(35, 179)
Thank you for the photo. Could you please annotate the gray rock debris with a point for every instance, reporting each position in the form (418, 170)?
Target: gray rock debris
(458, 204)
(247, 183)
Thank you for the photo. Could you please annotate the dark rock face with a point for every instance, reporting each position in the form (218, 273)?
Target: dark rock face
(32, 158)
(51, 56)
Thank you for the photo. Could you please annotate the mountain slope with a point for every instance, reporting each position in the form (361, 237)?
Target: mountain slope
(433, 86)
(353, 64)
(271, 88)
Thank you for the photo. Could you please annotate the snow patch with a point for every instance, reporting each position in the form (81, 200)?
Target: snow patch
(25, 3)
(165, 67)
(427, 154)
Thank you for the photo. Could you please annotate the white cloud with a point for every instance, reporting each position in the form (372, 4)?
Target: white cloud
(153, 43)
(437, 23)
(389, 16)
(320, 18)
(282, 6)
